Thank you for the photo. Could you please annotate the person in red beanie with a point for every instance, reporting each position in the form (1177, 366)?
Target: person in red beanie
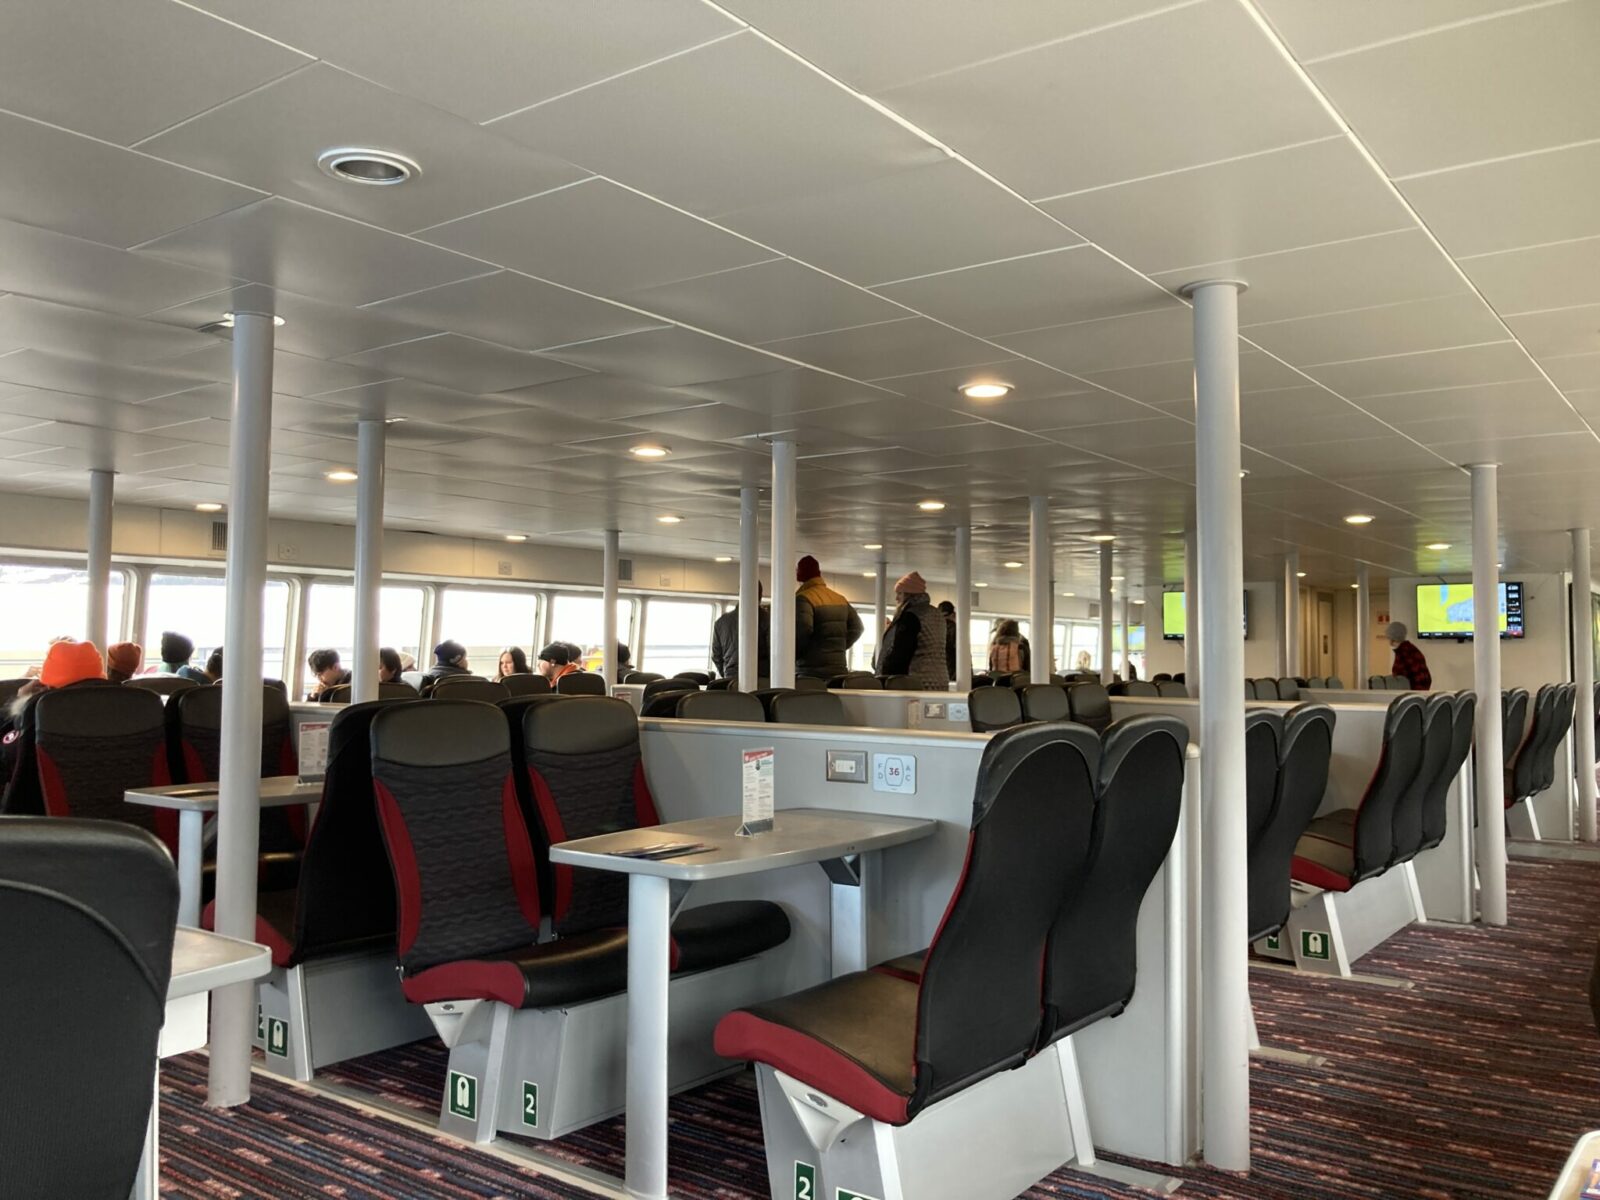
(65, 663)
(825, 626)
(123, 661)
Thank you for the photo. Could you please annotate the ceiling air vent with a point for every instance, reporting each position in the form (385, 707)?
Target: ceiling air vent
(219, 537)
(1094, 611)
(625, 570)
(504, 567)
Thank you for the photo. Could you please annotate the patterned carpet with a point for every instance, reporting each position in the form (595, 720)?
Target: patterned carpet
(1472, 1085)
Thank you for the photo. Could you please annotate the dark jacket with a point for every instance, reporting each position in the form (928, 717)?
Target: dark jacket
(949, 645)
(914, 644)
(725, 644)
(825, 627)
(439, 670)
(1408, 661)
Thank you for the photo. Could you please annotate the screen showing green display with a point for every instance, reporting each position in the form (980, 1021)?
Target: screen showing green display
(1444, 610)
(1174, 619)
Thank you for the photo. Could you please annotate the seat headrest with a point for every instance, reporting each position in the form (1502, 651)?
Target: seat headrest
(808, 708)
(1043, 702)
(580, 725)
(1009, 747)
(97, 709)
(581, 683)
(721, 706)
(1142, 734)
(993, 708)
(470, 687)
(440, 733)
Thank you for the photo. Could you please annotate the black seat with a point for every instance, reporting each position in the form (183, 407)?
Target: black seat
(1263, 736)
(993, 708)
(1335, 684)
(984, 680)
(1043, 702)
(1140, 687)
(656, 686)
(339, 693)
(887, 1045)
(807, 708)
(1091, 705)
(767, 695)
(1161, 677)
(1514, 721)
(470, 687)
(698, 678)
(857, 681)
(162, 685)
(194, 741)
(720, 706)
(1300, 777)
(87, 917)
(1524, 771)
(1397, 683)
(722, 685)
(1377, 683)
(1317, 681)
(1438, 733)
(525, 684)
(1172, 690)
(899, 683)
(1289, 689)
(1435, 803)
(1339, 850)
(582, 683)
(665, 704)
(641, 676)
(810, 683)
(388, 689)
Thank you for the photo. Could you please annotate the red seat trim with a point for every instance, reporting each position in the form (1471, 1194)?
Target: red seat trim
(555, 831)
(742, 1035)
(519, 849)
(466, 980)
(266, 933)
(408, 883)
(1303, 870)
(644, 805)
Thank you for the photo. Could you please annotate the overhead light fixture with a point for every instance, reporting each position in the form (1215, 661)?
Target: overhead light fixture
(1358, 519)
(669, 519)
(1355, 585)
(227, 322)
(980, 585)
(341, 476)
(1299, 574)
(1116, 579)
(1102, 537)
(516, 537)
(984, 391)
(209, 506)
(649, 450)
(394, 420)
(374, 168)
(723, 558)
(930, 505)
(1069, 595)
(1243, 472)
(1438, 545)
(872, 546)
(1012, 566)
(869, 574)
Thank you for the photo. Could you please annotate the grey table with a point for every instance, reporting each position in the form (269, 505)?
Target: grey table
(799, 835)
(194, 802)
(200, 961)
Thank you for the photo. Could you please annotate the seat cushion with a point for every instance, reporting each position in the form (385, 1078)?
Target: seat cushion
(566, 971)
(274, 923)
(907, 966)
(1325, 855)
(853, 1038)
(717, 934)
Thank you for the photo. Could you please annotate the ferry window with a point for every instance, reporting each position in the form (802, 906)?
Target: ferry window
(1084, 646)
(42, 603)
(196, 606)
(331, 619)
(486, 621)
(677, 636)
(866, 647)
(581, 620)
(1061, 645)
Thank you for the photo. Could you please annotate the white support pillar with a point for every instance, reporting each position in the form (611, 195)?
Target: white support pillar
(371, 438)
(98, 618)
(1127, 634)
(1583, 677)
(233, 1017)
(1291, 615)
(1107, 665)
(1225, 1002)
(608, 619)
(1039, 570)
(1363, 626)
(963, 603)
(749, 588)
(783, 560)
(1191, 614)
(1491, 840)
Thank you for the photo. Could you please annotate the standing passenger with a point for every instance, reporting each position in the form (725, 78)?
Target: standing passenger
(825, 625)
(1008, 649)
(914, 642)
(1408, 660)
(949, 611)
(725, 640)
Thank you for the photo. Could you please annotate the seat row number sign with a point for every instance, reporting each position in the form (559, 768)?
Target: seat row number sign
(530, 1104)
(463, 1095)
(894, 773)
(1313, 944)
(805, 1181)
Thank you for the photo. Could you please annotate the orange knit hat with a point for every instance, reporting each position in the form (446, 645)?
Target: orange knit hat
(69, 662)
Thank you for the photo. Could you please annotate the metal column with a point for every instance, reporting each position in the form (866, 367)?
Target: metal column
(1107, 665)
(1039, 569)
(1127, 636)
(608, 619)
(1191, 614)
(749, 588)
(1363, 626)
(371, 436)
(1490, 751)
(880, 603)
(1583, 676)
(963, 602)
(1291, 614)
(783, 584)
(98, 618)
(239, 794)
(1225, 1002)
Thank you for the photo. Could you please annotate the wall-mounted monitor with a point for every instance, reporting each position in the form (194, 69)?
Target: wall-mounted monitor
(1444, 610)
(1174, 617)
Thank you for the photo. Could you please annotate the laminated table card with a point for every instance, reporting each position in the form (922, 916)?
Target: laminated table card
(313, 750)
(759, 774)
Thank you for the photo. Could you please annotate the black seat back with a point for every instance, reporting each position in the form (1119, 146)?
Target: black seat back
(1438, 731)
(664, 704)
(460, 855)
(1514, 721)
(640, 676)
(978, 1007)
(898, 683)
(194, 742)
(807, 708)
(1334, 683)
(1140, 687)
(1398, 761)
(1092, 959)
(656, 686)
(1397, 683)
(1091, 705)
(698, 678)
(767, 695)
(1527, 772)
(162, 685)
(1305, 749)
(1288, 689)
(1171, 689)
(1263, 730)
(1043, 702)
(87, 915)
(471, 687)
(856, 681)
(397, 689)
(1566, 705)
(993, 708)
(525, 684)
(582, 683)
(810, 683)
(339, 693)
(1317, 681)
(1435, 802)
(1266, 689)
(721, 706)
(1377, 683)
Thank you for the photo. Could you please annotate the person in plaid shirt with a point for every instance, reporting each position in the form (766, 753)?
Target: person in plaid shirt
(1408, 660)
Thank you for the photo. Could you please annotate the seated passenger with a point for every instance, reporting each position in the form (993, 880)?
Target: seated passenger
(449, 658)
(624, 661)
(389, 665)
(327, 670)
(513, 661)
(176, 651)
(214, 666)
(914, 642)
(1408, 660)
(556, 660)
(123, 661)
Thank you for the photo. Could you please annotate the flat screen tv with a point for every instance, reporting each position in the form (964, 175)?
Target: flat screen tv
(1174, 618)
(1444, 610)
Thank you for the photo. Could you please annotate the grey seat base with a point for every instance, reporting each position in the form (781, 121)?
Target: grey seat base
(1327, 932)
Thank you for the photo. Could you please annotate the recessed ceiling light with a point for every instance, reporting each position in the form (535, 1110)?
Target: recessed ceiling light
(1012, 566)
(930, 505)
(1069, 595)
(375, 168)
(980, 585)
(516, 537)
(394, 420)
(869, 574)
(1358, 519)
(1102, 537)
(1116, 579)
(984, 391)
(649, 450)
(227, 323)
(872, 546)
(723, 558)
(1438, 545)
(1356, 585)
(209, 506)
(669, 519)
(1299, 574)
(1243, 472)
(341, 476)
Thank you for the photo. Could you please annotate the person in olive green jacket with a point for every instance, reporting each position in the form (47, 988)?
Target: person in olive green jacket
(825, 626)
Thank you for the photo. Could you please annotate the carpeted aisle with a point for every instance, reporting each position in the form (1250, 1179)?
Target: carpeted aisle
(1472, 1085)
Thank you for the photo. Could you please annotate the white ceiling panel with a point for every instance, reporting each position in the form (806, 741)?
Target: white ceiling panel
(766, 127)
(38, 405)
(1532, 400)
(600, 238)
(762, 303)
(86, 377)
(515, 310)
(310, 327)
(487, 58)
(1559, 330)
(1314, 28)
(782, 394)
(293, 374)
(1491, 421)
(1157, 383)
(86, 274)
(60, 329)
(418, 401)
(1412, 326)
(1537, 455)
(1496, 362)
(1057, 416)
(92, 189)
(934, 218)
(1334, 460)
(600, 397)
(1385, 269)
(1157, 335)
(1299, 196)
(1540, 277)
(886, 418)
(890, 348)
(271, 138)
(961, 440)
(1023, 117)
(671, 357)
(1574, 372)
(126, 70)
(316, 254)
(1056, 288)
(704, 422)
(462, 363)
(1292, 416)
(1514, 83)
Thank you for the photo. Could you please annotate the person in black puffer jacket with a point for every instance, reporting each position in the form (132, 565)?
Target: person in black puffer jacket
(914, 642)
(825, 626)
